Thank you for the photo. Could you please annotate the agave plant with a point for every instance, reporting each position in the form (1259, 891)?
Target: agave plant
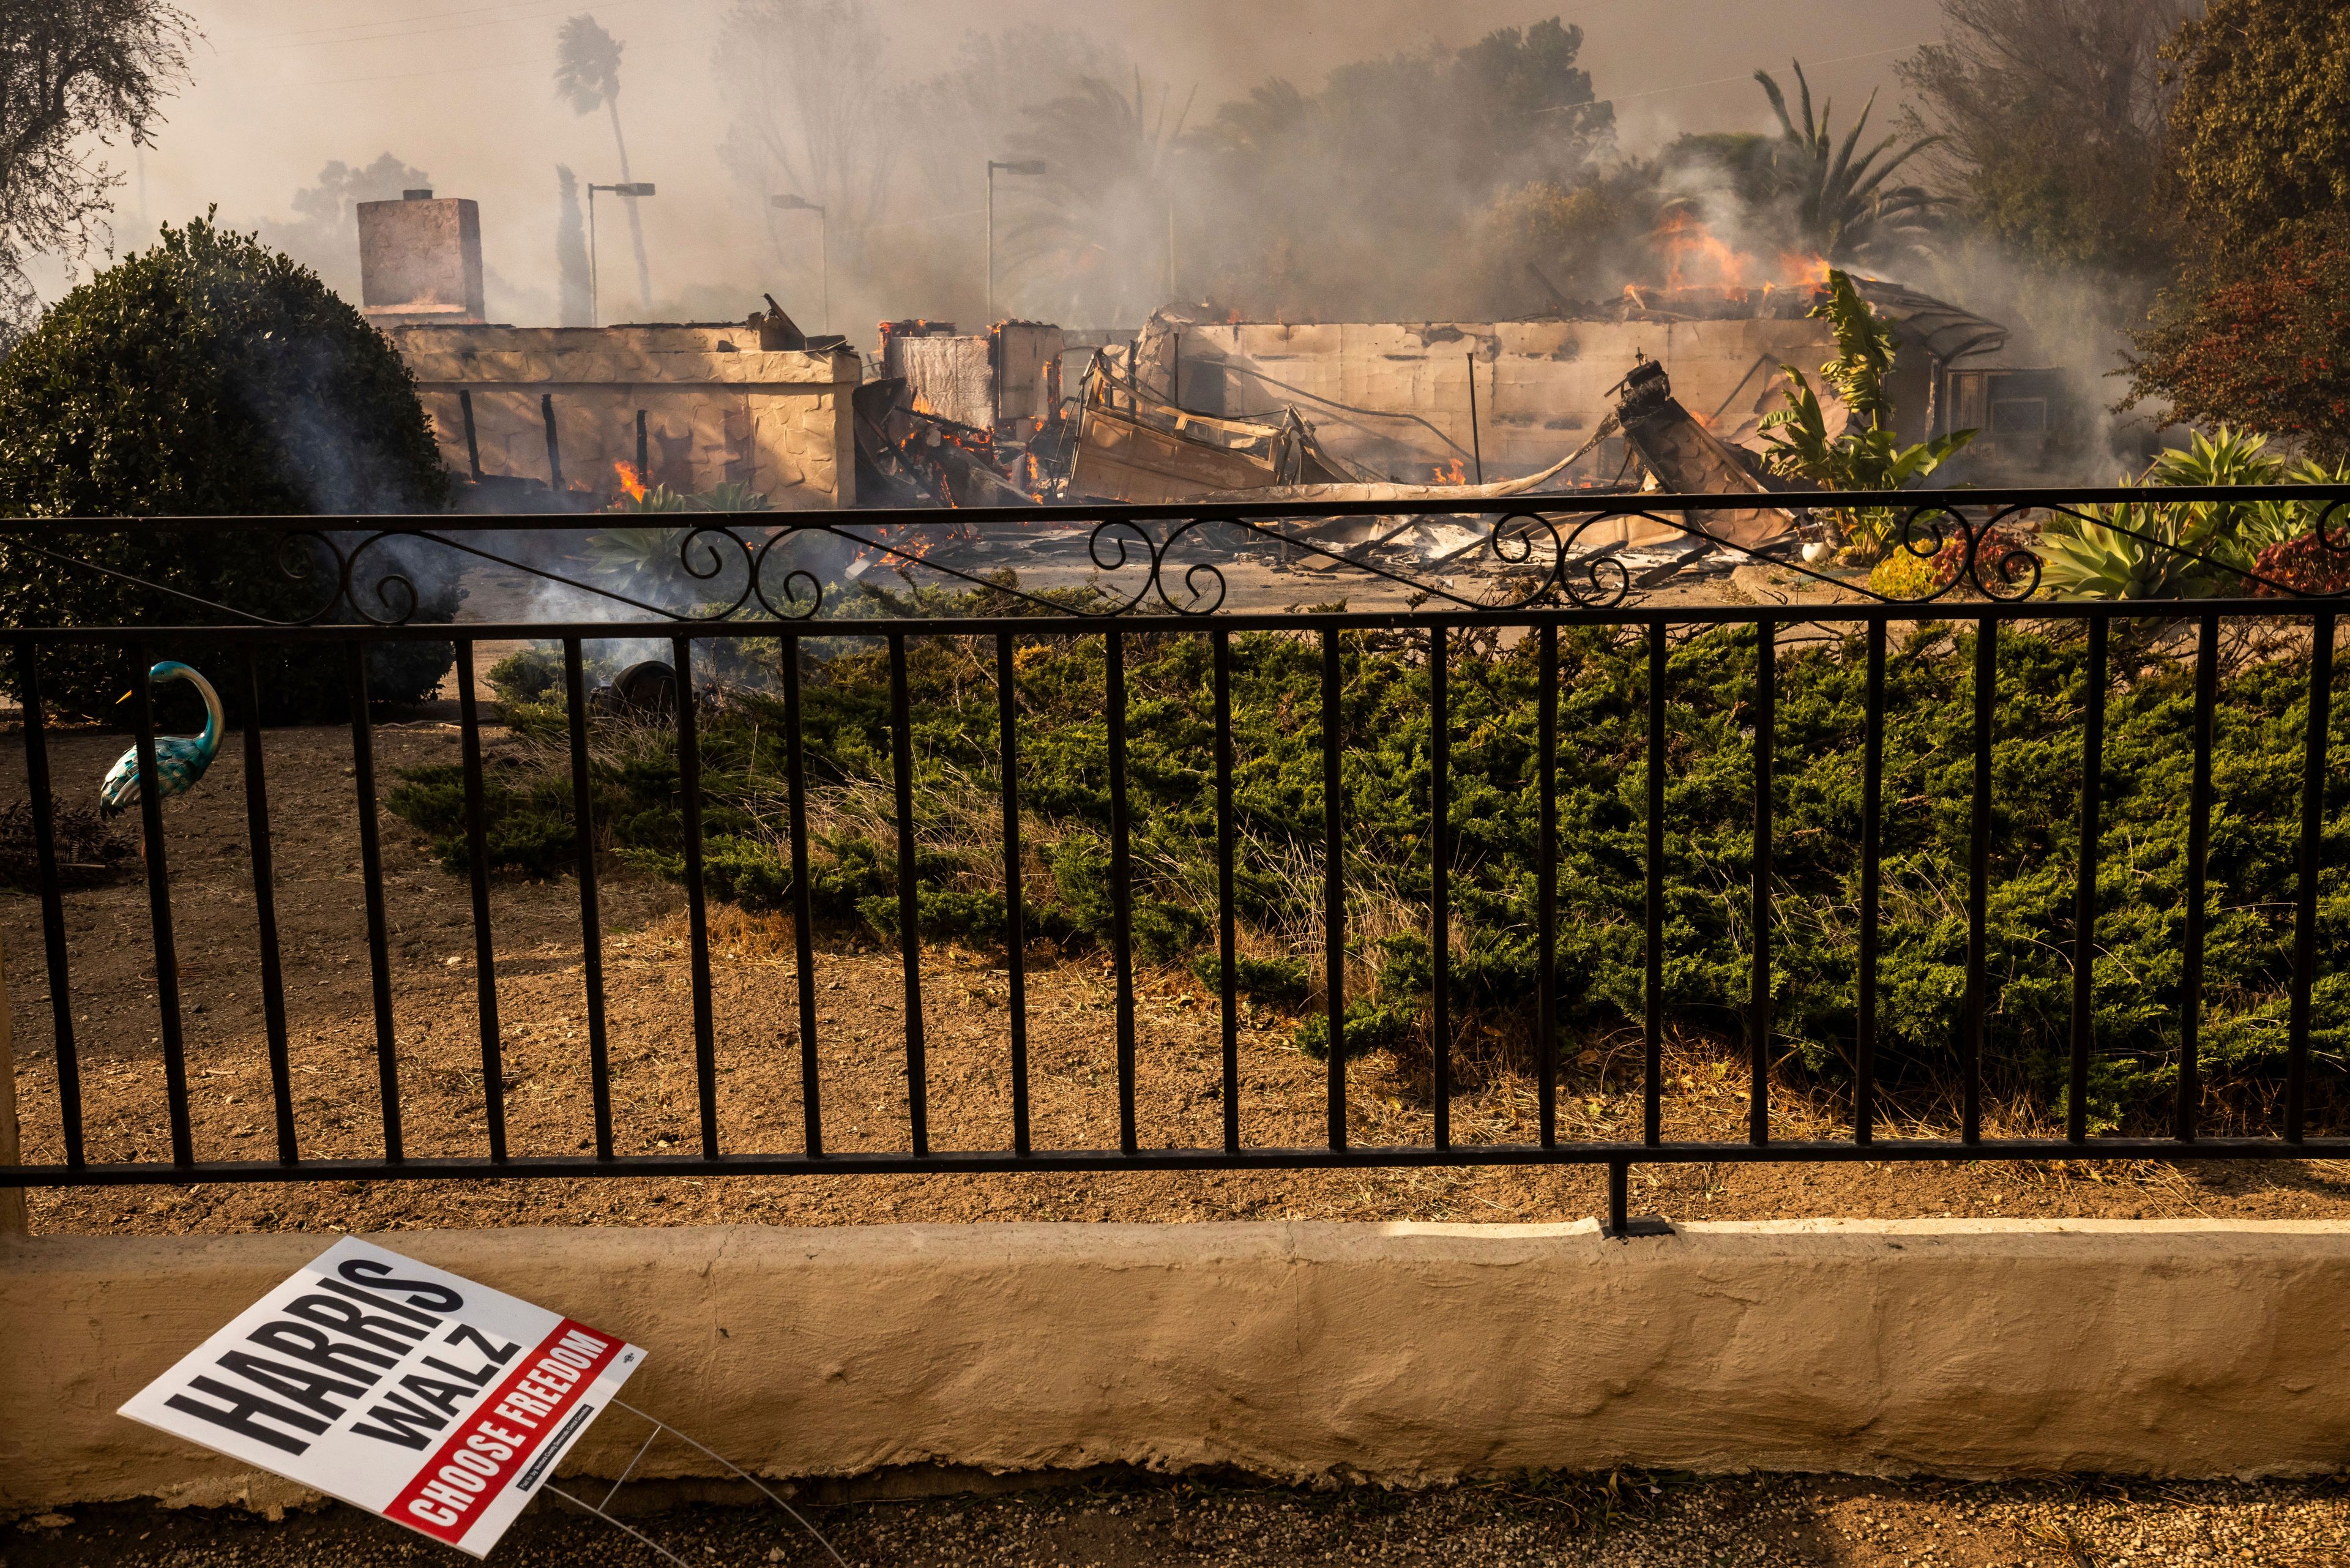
(2240, 457)
(2156, 549)
(646, 561)
(730, 495)
(2136, 550)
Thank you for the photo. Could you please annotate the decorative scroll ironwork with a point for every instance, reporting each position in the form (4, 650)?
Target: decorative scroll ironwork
(1173, 560)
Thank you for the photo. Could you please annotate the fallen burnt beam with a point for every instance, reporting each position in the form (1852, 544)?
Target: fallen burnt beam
(1685, 458)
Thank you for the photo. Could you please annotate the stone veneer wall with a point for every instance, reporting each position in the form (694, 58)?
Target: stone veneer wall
(717, 407)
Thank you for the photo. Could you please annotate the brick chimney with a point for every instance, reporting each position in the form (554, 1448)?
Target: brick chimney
(420, 262)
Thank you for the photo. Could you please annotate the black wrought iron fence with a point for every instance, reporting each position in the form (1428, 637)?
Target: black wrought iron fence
(750, 584)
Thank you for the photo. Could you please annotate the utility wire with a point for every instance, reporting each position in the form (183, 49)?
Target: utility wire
(488, 66)
(389, 27)
(1724, 81)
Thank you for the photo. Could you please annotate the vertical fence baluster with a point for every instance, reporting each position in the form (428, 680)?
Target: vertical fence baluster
(2199, 855)
(1334, 894)
(485, 952)
(53, 909)
(1227, 933)
(1440, 877)
(591, 913)
(387, 1043)
(159, 909)
(1766, 698)
(697, 910)
(909, 934)
(1652, 1001)
(1872, 811)
(1971, 1038)
(1547, 891)
(803, 900)
(1015, 928)
(2312, 864)
(2084, 892)
(265, 909)
(1121, 888)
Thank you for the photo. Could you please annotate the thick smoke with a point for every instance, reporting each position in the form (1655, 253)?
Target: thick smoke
(323, 232)
(1431, 182)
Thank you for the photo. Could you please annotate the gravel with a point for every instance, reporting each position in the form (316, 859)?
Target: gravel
(1629, 1520)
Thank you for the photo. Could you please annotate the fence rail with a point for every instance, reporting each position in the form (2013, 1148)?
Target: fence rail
(1989, 597)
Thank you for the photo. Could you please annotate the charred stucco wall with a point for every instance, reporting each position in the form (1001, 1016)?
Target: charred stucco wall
(1542, 386)
(952, 377)
(981, 380)
(1403, 1353)
(717, 407)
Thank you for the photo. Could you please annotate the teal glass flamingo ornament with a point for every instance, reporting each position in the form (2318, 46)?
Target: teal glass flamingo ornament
(180, 759)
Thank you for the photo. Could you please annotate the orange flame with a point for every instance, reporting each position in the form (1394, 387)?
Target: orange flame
(1794, 268)
(631, 485)
(1452, 473)
(1695, 255)
(1699, 261)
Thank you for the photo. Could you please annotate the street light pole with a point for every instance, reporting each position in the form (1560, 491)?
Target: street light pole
(594, 292)
(1167, 171)
(1016, 166)
(822, 243)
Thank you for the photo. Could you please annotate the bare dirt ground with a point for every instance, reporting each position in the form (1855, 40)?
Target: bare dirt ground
(1623, 1521)
(861, 1036)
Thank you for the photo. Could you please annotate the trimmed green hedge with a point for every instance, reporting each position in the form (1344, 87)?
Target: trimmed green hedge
(1601, 790)
(208, 376)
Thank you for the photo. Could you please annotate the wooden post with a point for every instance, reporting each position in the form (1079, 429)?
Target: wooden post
(554, 451)
(1476, 446)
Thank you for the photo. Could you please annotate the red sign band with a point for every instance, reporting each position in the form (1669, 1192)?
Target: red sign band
(447, 1494)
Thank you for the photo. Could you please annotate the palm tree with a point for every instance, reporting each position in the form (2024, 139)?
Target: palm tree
(588, 72)
(1845, 211)
(1096, 243)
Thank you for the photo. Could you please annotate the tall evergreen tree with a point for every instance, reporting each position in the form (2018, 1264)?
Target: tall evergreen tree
(571, 252)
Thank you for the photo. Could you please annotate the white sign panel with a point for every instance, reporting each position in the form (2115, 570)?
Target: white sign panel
(398, 1387)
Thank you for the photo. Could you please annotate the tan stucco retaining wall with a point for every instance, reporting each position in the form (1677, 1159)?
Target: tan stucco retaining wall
(1400, 1353)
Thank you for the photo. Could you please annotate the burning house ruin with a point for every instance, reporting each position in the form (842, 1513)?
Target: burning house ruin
(1441, 401)
(1659, 389)
(687, 407)
(534, 416)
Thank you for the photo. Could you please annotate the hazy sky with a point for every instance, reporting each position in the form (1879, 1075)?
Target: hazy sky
(462, 90)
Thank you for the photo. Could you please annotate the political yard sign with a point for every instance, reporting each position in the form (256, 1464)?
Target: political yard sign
(398, 1389)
